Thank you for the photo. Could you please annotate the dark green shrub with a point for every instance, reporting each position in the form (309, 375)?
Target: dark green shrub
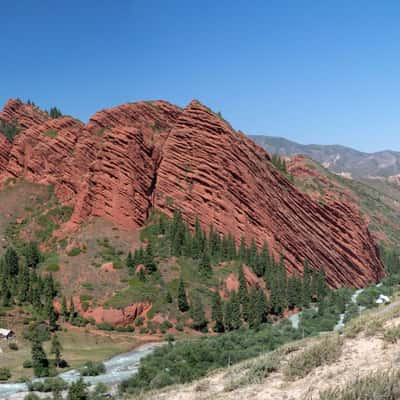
(164, 326)
(92, 368)
(13, 346)
(79, 321)
(51, 133)
(75, 251)
(38, 331)
(32, 396)
(27, 364)
(125, 329)
(5, 374)
(48, 385)
(104, 326)
(189, 360)
(10, 129)
(139, 321)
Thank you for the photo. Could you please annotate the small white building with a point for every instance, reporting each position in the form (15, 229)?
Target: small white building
(382, 299)
(6, 333)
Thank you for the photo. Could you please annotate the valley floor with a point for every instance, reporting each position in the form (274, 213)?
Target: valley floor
(367, 347)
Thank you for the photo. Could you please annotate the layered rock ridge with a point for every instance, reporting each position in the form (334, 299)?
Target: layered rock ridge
(129, 159)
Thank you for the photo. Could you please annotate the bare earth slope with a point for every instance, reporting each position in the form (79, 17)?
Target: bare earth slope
(378, 199)
(361, 355)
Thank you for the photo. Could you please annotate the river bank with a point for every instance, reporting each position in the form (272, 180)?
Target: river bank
(118, 368)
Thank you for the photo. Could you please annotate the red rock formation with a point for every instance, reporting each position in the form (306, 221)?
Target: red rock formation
(39, 154)
(112, 316)
(24, 115)
(116, 317)
(5, 147)
(152, 154)
(211, 171)
(120, 179)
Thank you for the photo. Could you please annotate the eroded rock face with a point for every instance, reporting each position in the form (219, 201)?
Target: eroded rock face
(116, 317)
(41, 152)
(24, 115)
(211, 171)
(5, 147)
(121, 178)
(133, 157)
(113, 316)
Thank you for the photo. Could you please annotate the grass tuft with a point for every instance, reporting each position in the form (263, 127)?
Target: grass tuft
(376, 386)
(323, 352)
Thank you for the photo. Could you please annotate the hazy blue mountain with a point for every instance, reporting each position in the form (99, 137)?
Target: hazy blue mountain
(335, 157)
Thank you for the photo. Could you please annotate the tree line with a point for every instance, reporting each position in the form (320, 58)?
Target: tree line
(249, 305)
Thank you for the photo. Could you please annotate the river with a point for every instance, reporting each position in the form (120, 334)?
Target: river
(118, 368)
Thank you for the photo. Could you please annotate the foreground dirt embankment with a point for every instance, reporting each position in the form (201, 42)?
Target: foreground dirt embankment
(367, 345)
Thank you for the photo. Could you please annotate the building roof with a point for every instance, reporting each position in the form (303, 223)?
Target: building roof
(5, 332)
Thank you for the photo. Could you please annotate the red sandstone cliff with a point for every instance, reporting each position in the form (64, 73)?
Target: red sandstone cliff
(130, 158)
(211, 171)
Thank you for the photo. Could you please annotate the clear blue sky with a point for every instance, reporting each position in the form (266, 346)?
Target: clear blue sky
(312, 71)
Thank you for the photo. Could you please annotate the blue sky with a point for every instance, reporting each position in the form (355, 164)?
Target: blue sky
(312, 71)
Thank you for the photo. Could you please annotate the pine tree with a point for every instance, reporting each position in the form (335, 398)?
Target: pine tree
(64, 309)
(231, 247)
(205, 264)
(294, 292)
(197, 245)
(52, 315)
(6, 298)
(40, 363)
(228, 316)
(282, 284)
(321, 284)
(56, 349)
(55, 113)
(217, 313)
(182, 299)
(78, 391)
(149, 263)
(32, 254)
(49, 287)
(252, 254)
(258, 266)
(130, 263)
(168, 297)
(177, 234)
(11, 260)
(23, 284)
(242, 250)
(278, 288)
(72, 312)
(36, 301)
(306, 285)
(213, 241)
(253, 317)
(265, 260)
(197, 314)
(232, 319)
(141, 275)
(243, 294)
(261, 306)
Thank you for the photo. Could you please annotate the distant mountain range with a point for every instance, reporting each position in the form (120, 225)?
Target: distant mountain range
(339, 159)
